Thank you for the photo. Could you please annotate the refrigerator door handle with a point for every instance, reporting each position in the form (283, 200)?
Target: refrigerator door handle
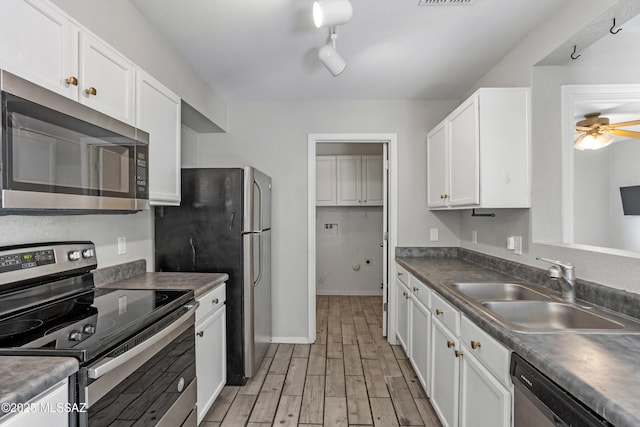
(257, 280)
(259, 207)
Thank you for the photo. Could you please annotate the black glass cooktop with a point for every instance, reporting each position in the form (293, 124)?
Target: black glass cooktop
(87, 324)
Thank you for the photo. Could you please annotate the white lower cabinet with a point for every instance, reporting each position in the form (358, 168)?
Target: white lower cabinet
(211, 348)
(484, 401)
(402, 315)
(464, 371)
(46, 409)
(445, 370)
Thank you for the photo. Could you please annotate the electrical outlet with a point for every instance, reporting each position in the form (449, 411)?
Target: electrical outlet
(122, 245)
(474, 237)
(434, 234)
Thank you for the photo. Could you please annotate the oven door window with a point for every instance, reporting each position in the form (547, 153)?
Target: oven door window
(51, 152)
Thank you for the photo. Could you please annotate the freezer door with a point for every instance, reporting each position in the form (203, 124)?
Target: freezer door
(257, 195)
(257, 293)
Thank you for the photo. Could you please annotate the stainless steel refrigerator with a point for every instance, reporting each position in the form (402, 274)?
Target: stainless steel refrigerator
(223, 225)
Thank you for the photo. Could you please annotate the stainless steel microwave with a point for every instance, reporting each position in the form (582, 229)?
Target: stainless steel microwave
(58, 154)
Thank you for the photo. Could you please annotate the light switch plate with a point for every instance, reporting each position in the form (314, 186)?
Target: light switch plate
(474, 237)
(122, 245)
(434, 234)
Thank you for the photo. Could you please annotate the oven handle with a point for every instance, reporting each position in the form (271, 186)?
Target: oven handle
(163, 337)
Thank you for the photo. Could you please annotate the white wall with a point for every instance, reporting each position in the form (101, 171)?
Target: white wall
(341, 255)
(273, 138)
(591, 190)
(610, 267)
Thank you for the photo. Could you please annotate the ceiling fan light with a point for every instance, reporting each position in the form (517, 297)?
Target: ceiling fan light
(593, 141)
(331, 59)
(331, 12)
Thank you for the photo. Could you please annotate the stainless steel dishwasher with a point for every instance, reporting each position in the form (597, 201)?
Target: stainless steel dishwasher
(539, 402)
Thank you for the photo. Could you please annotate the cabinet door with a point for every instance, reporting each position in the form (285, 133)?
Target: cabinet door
(437, 167)
(484, 401)
(349, 176)
(158, 112)
(211, 359)
(420, 342)
(325, 180)
(402, 315)
(372, 170)
(39, 44)
(445, 374)
(51, 398)
(464, 141)
(106, 79)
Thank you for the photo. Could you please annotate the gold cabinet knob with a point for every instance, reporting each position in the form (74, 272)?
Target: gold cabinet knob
(91, 91)
(450, 344)
(442, 196)
(439, 312)
(475, 345)
(404, 293)
(446, 196)
(72, 81)
(415, 289)
(399, 273)
(458, 353)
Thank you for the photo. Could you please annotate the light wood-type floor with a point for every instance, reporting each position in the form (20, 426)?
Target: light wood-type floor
(351, 376)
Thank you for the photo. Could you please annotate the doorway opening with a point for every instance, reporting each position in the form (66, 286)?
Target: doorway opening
(352, 211)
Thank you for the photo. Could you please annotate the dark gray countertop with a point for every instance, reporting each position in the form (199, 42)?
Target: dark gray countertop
(201, 283)
(25, 377)
(601, 370)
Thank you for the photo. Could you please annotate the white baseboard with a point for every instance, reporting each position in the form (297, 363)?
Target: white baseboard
(351, 293)
(290, 340)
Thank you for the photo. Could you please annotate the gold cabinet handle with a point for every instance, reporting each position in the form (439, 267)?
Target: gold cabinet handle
(399, 273)
(450, 344)
(475, 345)
(415, 289)
(439, 312)
(91, 91)
(458, 353)
(72, 81)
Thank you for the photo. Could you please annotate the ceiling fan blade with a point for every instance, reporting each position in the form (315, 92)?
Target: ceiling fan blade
(625, 124)
(625, 133)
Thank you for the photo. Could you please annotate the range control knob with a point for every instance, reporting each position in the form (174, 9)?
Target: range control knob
(75, 336)
(89, 329)
(88, 253)
(74, 255)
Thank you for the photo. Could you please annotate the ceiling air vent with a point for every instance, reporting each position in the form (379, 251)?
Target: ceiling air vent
(444, 2)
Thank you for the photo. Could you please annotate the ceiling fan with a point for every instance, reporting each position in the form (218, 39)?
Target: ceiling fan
(596, 132)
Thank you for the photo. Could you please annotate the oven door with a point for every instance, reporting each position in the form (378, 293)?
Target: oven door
(152, 383)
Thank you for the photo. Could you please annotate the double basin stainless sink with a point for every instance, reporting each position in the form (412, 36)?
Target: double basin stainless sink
(533, 309)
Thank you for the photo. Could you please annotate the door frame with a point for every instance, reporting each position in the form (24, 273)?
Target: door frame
(391, 139)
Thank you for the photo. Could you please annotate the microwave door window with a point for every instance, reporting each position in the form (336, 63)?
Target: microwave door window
(111, 168)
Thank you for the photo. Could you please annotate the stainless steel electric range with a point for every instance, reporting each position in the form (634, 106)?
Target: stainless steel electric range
(136, 348)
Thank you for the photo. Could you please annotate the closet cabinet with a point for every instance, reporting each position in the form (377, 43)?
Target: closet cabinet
(158, 112)
(403, 296)
(478, 157)
(349, 181)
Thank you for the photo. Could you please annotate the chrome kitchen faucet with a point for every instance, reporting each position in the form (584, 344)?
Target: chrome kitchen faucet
(565, 273)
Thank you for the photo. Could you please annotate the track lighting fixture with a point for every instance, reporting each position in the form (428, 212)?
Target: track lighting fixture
(331, 12)
(330, 57)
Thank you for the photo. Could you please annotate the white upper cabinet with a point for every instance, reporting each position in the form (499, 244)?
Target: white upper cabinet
(349, 180)
(438, 166)
(478, 157)
(107, 79)
(326, 181)
(158, 113)
(40, 44)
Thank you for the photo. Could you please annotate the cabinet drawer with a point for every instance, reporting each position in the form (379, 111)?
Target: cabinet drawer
(446, 313)
(210, 302)
(402, 274)
(420, 291)
(487, 350)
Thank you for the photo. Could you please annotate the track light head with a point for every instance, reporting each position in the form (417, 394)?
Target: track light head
(331, 12)
(331, 59)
